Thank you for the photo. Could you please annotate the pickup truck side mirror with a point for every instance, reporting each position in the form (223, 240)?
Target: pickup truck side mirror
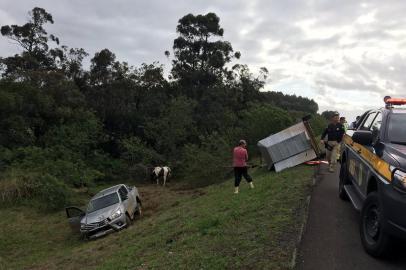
(363, 137)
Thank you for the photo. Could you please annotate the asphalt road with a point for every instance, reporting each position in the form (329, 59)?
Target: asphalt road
(331, 239)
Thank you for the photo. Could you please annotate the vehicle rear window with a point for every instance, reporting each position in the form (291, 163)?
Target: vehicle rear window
(103, 202)
(397, 128)
(123, 193)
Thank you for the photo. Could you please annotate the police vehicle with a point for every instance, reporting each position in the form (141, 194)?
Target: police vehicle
(373, 175)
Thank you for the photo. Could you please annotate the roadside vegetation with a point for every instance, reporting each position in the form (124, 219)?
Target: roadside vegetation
(65, 128)
(206, 228)
(67, 131)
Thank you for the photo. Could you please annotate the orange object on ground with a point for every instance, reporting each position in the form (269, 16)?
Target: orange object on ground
(316, 162)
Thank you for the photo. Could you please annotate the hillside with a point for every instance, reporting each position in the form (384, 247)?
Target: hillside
(68, 129)
(208, 228)
(65, 125)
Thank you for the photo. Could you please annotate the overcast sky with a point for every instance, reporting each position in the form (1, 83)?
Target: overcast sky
(345, 54)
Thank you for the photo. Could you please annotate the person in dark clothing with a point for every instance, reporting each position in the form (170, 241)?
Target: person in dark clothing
(335, 132)
(240, 157)
(354, 124)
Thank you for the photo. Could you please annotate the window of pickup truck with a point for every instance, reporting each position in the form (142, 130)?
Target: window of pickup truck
(368, 121)
(123, 193)
(397, 128)
(376, 128)
(103, 202)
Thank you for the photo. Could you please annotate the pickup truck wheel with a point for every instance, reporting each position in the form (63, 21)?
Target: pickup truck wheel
(138, 209)
(127, 220)
(84, 237)
(375, 241)
(343, 181)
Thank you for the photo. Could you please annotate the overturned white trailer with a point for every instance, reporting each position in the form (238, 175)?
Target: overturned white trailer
(289, 147)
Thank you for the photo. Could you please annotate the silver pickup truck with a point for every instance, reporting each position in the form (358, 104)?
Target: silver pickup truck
(110, 210)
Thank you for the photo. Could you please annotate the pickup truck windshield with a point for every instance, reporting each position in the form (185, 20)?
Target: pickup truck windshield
(102, 202)
(397, 128)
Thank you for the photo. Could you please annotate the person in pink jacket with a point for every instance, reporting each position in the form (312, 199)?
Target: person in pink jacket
(240, 157)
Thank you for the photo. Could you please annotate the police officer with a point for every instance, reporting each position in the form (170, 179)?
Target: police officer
(354, 124)
(343, 122)
(335, 132)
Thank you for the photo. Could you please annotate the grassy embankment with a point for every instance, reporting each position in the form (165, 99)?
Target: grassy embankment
(209, 228)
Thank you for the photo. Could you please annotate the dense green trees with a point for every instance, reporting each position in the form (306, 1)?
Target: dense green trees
(200, 53)
(65, 127)
(328, 114)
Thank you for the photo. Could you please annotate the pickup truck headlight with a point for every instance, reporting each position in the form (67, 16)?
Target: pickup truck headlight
(82, 225)
(116, 214)
(399, 180)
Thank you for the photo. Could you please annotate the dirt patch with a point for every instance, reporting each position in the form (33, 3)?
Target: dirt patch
(158, 198)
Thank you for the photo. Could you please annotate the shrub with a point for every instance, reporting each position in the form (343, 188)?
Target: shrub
(111, 168)
(208, 162)
(44, 191)
(137, 156)
(317, 121)
(5, 157)
(318, 124)
(135, 151)
(173, 128)
(51, 193)
(59, 162)
(80, 136)
(261, 121)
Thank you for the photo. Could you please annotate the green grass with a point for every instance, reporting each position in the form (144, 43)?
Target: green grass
(209, 228)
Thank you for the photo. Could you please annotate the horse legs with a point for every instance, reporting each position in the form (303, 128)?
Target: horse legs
(164, 179)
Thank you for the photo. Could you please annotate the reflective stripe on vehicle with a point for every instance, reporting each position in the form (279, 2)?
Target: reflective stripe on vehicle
(379, 165)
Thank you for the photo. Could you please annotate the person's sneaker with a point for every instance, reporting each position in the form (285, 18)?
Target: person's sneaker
(236, 190)
(331, 169)
(251, 185)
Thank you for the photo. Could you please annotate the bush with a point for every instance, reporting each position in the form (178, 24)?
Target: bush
(59, 162)
(208, 162)
(80, 136)
(317, 121)
(111, 168)
(44, 191)
(5, 157)
(318, 124)
(135, 151)
(51, 193)
(260, 121)
(173, 128)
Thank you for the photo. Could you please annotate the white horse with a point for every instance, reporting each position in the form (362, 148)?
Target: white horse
(161, 172)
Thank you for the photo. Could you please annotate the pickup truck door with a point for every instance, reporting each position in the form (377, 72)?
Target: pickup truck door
(128, 200)
(358, 164)
(74, 216)
(132, 191)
